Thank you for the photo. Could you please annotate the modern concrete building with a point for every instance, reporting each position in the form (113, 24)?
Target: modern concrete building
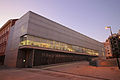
(35, 40)
(4, 32)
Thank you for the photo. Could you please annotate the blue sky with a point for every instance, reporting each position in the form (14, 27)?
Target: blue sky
(88, 17)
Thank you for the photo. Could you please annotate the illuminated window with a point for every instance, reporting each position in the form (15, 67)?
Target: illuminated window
(41, 42)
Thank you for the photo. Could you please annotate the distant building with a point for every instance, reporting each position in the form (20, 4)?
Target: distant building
(4, 32)
(112, 45)
(107, 46)
(35, 40)
(119, 32)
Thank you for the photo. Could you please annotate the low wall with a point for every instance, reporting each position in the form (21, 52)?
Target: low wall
(104, 62)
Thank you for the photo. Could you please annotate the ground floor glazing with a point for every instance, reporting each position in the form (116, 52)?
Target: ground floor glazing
(36, 57)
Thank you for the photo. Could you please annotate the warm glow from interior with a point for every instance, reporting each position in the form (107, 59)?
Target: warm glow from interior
(45, 43)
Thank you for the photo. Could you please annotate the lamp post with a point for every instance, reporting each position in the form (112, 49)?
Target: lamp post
(109, 27)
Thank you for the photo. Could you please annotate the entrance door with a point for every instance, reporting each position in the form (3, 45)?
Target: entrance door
(25, 58)
(28, 59)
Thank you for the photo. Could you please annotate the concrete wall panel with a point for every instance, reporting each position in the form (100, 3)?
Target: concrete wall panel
(42, 27)
(19, 29)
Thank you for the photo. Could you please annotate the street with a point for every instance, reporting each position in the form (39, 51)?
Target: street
(64, 71)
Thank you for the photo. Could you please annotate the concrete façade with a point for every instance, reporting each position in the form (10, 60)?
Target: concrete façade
(35, 40)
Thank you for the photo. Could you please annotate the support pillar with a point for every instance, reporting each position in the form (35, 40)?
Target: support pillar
(33, 51)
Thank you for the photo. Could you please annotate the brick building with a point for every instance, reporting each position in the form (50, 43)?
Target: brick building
(107, 46)
(4, 32)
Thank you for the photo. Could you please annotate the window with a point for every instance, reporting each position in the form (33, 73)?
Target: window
(45, 43)
(23, 38)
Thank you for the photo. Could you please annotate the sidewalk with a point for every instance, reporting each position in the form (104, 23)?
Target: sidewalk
(83, 69)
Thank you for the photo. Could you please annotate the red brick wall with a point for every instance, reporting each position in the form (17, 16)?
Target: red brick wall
(4, 32)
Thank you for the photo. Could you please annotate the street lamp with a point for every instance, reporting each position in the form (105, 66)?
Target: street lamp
(109, 27)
